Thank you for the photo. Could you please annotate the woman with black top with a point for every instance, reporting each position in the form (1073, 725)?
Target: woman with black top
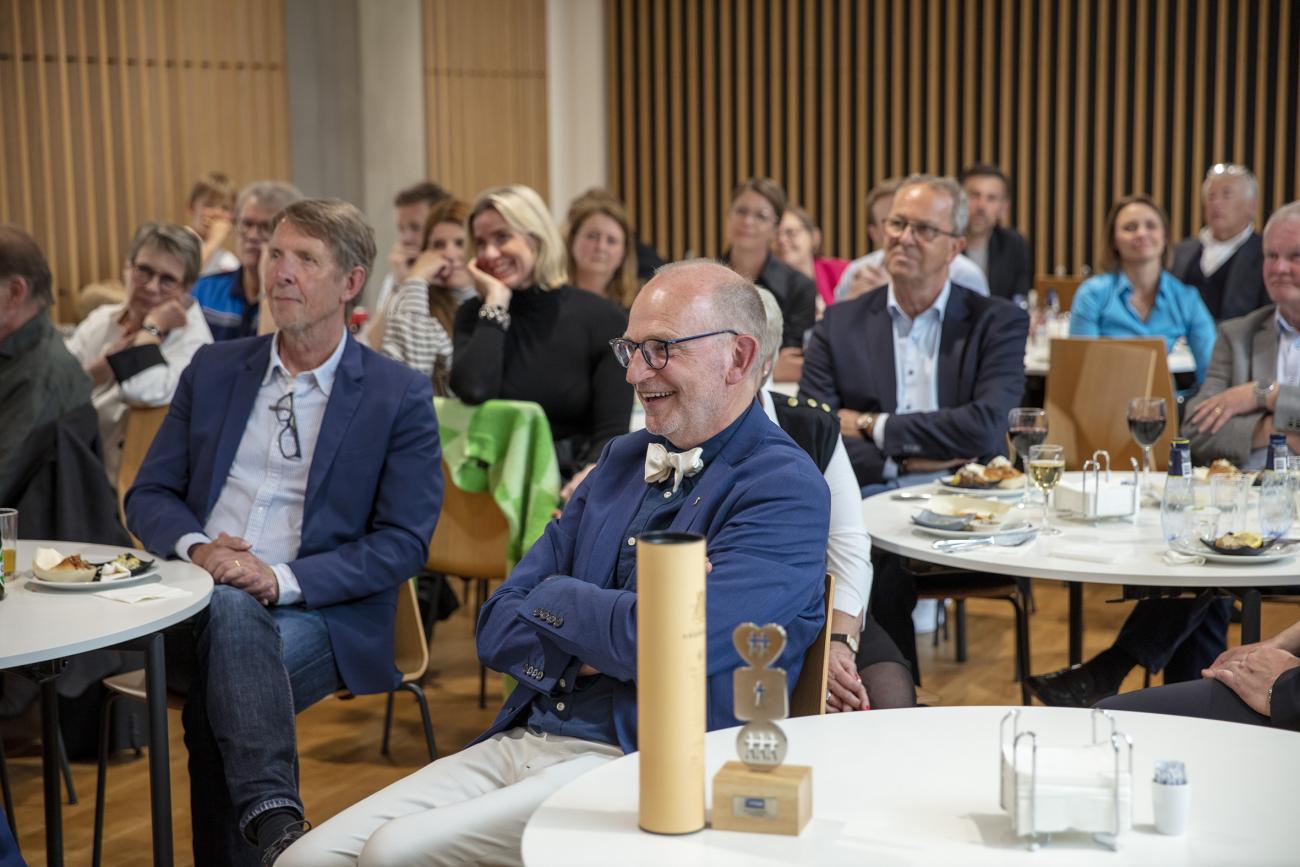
(757, 206)
(531, 336)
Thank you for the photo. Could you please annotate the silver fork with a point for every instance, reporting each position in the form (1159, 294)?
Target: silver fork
(1005, 540)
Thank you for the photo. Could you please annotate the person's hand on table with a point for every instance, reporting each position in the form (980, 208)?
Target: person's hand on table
(1214, 412)
(1252, 673)
(844, 689)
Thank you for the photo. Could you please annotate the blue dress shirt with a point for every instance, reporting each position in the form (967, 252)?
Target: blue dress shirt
(225, 307)
(1103, 307)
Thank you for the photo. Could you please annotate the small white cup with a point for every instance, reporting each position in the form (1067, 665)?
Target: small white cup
(1171, 806)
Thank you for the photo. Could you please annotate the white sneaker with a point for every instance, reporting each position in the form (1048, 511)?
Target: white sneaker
(925, 616)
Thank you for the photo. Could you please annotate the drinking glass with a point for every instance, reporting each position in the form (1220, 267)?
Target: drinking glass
(1026, 428)
(1046, 466)
(1229, 493)
(8, 547)
(1146, 422)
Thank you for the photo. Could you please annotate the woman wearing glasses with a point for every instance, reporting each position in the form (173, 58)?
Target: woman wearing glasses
(135, 351)
(757, 206)
(531, 336)
(1138, 297)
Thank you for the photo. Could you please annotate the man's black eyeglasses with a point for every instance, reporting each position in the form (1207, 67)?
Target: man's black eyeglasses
(283, 409)
(654, 351)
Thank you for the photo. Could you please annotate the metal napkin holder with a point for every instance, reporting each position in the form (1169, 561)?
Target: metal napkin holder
(1092, 468)
(1038, 826)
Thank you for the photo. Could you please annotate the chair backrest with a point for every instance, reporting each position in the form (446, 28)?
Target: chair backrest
(1065, 286)
(472, 536)
(142, 425)
(809, 695)
(410, 652)
(1089, 384)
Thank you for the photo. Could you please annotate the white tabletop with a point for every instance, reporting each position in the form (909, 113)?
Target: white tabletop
(920, 786)
(37, 624)
(1135, 551)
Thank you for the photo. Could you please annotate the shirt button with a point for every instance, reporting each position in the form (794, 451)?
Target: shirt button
(667, 494)
(562, 683)
(559, 705)
(631, 540)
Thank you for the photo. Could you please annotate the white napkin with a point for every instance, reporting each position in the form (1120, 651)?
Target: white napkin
(144, 593)
(1088, 555)
(1178, 558)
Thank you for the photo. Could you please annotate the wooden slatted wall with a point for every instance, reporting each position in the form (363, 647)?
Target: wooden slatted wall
(1080, 101)
(111, 108)
(485, 94)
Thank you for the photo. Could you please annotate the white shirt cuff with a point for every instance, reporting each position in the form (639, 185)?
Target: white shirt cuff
(890, 470)
(188, 541)
(878, 430)
(290, 589)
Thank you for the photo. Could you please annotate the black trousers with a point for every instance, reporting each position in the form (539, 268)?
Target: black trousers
(1203, 698)
(1177, 636)
(893, 596)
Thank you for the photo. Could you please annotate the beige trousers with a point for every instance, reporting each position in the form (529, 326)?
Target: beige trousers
(468, 808)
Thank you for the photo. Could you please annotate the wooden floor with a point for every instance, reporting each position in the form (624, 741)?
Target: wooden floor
(339, 740)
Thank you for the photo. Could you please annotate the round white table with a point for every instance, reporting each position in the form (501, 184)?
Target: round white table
(40, 627)
(1134, 550)
(920, 786)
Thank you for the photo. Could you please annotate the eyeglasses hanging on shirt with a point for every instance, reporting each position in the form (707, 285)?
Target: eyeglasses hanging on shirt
(290, 447)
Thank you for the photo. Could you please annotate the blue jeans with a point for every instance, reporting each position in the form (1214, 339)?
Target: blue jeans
(247, 671)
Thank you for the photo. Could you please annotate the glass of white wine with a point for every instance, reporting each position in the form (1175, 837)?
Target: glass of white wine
(1046, 466)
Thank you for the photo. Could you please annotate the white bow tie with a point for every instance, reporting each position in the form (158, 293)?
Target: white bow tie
(660, 463)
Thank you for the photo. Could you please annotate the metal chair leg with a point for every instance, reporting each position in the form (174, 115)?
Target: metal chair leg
(1022, 647)
(415, 690)
(388, 723)
(101, 777)
(480, 598)
(8, 794)
(959, 614)
(67, 771)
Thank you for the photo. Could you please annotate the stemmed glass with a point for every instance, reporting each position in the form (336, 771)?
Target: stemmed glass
(1146, 422)
(1026, 428)
(1046, 466)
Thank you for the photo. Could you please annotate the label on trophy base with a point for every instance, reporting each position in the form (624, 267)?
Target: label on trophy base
(775, 801)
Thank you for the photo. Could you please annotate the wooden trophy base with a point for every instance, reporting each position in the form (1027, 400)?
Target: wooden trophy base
(778, 801)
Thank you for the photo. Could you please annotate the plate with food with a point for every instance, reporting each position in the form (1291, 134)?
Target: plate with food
(998, 478)
(84, 573)
(1245, 545)
(967, 517)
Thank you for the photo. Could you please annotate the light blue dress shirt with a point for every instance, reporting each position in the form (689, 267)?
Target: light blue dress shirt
(916, 363)
(1288, 353)
(262, 499)
(1103, 307)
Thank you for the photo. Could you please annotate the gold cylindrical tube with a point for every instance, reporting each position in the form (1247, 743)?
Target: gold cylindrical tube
(671, 691)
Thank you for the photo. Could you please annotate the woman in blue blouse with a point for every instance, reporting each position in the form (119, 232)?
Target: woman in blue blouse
(1138, 297)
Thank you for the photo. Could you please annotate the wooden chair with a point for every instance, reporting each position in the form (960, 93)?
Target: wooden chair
(1065, 286)
(470, 543)
(809, 695)
(1089, 385)
(410, 656)
(142, 425)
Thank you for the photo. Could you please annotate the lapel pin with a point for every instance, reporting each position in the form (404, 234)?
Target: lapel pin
(697, 502)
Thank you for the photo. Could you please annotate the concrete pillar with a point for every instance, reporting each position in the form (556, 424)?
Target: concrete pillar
(577, 105)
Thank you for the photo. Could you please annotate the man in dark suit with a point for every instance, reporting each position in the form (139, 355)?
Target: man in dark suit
(564, 624)
(1252, 390)
(922, 372)
(1000, 251)
(1225, 259)
(301, 470)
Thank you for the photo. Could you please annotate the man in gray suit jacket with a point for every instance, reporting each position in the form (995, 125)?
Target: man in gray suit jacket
(1252, 389)
(1224, 261)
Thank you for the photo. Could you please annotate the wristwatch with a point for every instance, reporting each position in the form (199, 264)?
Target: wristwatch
(866, 422)
(844, 638)
(150, 328)
(1263, 388)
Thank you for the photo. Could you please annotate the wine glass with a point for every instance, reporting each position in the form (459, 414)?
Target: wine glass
(1146, 422)
(1046, 466)
(1026, 427)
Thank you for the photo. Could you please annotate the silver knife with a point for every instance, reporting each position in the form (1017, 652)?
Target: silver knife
(1012, 539)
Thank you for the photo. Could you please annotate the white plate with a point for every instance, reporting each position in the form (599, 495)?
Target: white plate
(1240, 559)
(1022, 527)
(998, 492)
(94, 586)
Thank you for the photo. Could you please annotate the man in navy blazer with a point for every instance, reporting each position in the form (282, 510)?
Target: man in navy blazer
(922, 372)
(564, 624)
(302, 471)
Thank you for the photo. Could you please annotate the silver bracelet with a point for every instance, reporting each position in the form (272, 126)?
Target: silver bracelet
(1268, 701)
(496, 314)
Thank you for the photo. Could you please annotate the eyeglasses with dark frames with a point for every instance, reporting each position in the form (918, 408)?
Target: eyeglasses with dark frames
(283, 409)
(923, 232)
(144, 275)
(654, 350)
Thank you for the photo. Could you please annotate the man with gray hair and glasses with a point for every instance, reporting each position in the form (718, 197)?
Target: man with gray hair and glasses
(134, 351)
(1225, 260)
(301, 471)
(922, 372)
(231, 300)
(564, 623)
